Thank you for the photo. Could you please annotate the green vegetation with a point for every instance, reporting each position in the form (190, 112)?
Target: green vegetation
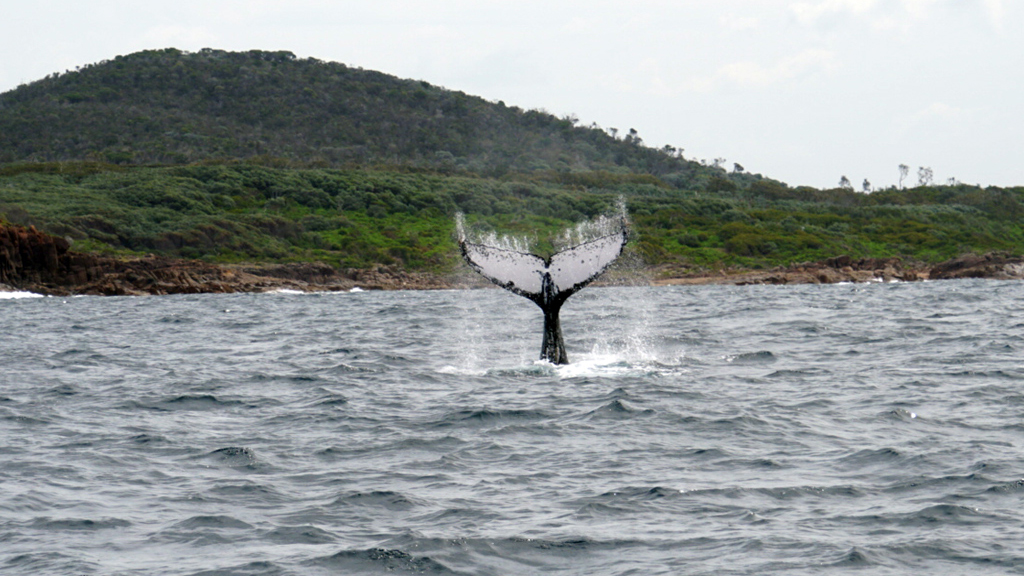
(362, 217)
(173, 107)
(260, 156)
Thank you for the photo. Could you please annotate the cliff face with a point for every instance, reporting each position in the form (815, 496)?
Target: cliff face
(28, 256)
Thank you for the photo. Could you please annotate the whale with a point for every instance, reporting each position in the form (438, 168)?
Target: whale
(547, 282)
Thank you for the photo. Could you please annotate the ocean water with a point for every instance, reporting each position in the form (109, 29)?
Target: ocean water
(871, 428)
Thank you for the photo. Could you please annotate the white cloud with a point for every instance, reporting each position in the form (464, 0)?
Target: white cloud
(883, 15)
(996, 12)
(739, 23)
(810, 12)
(917, 8)
(935, 116)
(939, 111)
(752, 74)
(580, 25)
(180, 36)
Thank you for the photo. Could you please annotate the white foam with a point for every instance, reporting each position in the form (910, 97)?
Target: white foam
(18, 295)
(602, 365)
(461, 371)
(583, 366)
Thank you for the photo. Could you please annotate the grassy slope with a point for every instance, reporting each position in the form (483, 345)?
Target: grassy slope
(362, 217)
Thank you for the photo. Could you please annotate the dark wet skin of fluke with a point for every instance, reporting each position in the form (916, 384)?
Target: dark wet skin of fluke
(593, 257)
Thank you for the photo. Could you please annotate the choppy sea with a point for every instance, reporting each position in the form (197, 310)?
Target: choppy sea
(876, 428)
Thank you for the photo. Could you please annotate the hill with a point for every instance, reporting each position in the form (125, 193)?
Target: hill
(174, 107)
(237, 158)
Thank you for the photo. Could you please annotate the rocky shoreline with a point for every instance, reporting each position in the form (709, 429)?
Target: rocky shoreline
(846, 269)
(36, 262)
(32, 261)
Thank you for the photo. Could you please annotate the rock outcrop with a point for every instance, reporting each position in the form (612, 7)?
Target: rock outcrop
(376, 278)
(829, 271)
(996, 266)
(28, 256)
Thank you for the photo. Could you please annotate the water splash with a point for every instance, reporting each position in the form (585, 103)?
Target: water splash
(505, 242)
(581, 233)
(588, 230)
(4, 295)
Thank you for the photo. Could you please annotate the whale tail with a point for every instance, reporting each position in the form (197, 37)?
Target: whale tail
(547, 282)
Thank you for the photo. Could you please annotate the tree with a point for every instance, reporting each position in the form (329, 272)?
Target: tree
(844, 183)
(866, 185)
(924, 176)
(904, 170)
(737, 168)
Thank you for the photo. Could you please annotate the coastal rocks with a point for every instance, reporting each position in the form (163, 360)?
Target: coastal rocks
(308, 272)
(390, 277)
(846, 269)
(158, 275)
(375, 278)
(830, 271)
(995, 266)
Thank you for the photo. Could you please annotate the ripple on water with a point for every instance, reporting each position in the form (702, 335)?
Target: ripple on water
(752, 358)
(490, 417)
(237, 457)
(386, 499)
(703, 430)
(50, 563)
(619, 410)
(304, 534)
(380, 560)
(77, 524)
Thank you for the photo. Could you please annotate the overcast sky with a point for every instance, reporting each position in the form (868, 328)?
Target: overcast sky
(802, 91)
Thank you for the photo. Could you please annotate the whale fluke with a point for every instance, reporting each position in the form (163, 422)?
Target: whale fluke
(547, 282)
